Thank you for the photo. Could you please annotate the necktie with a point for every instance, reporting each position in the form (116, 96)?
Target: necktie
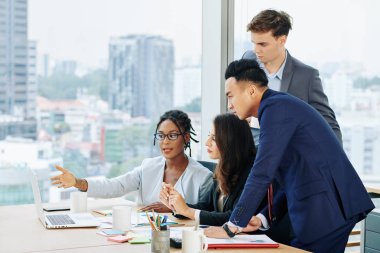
(270, 202)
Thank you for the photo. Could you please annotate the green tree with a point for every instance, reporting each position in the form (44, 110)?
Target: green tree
(65, 86)
(136, 135)
(96, 83)
(59, 86)
(193, 106)
(75, 162)
(364, 83)
(120, 169)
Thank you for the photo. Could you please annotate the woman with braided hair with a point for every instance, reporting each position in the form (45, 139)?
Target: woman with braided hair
(173, 134)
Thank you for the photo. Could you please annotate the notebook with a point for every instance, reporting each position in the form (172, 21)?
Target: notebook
(66, 220)
(243, 241)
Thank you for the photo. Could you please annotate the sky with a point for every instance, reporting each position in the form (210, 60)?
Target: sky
(323, 31)
(80, 29)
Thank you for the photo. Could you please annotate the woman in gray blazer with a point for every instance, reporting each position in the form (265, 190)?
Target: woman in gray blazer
(173, 133)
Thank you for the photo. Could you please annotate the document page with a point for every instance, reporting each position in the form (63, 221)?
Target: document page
(246, 240)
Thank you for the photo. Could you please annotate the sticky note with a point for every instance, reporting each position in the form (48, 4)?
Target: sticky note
(113, 232)
(119, 238)
(139, 240)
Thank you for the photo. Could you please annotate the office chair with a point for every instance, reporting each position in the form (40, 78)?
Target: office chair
(209, 165)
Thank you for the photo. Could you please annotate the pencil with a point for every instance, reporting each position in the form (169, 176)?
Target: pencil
(150, 221)
(154, 215)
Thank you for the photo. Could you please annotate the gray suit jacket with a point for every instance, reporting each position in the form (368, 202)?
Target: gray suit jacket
(303, 81)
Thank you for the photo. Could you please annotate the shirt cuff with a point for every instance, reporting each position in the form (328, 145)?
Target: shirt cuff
(229, 223)
(196, 216)
(264, 222)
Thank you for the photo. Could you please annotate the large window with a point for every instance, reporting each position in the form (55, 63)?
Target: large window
(340, 39)
(99, 75)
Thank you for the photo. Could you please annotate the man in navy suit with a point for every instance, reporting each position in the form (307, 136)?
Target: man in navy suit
(298, 149)
(269, 32)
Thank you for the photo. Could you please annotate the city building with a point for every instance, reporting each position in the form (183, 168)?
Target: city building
(15, 185)
(17, 127)
(141, 75)
(17, 71)
(65, 67)
(361, 142)
(32, 86)
(187, 84)
(13, 58)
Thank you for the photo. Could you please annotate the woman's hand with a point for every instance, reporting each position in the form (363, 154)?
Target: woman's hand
(164, 194)
(64, 180)
(157, 207)
(177, 201)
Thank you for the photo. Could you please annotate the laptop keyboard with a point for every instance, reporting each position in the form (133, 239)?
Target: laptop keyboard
(60, 219)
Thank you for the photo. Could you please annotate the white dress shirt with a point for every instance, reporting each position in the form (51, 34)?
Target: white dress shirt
(147, 179)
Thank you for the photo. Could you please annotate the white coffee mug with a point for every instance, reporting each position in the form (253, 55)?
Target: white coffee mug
(121, 217)
(193, 241)
(78, 202)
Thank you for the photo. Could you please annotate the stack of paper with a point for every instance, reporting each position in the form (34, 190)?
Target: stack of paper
(243, 241)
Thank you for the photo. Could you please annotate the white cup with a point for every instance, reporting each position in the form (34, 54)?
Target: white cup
(193, 241)
(78, 202)
(121, 217)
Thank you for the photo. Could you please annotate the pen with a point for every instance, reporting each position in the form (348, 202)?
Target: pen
(158, 221)
(171, 223)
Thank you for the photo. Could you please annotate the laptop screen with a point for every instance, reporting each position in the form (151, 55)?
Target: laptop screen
(37, 196)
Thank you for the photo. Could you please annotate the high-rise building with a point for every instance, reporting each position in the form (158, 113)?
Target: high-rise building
(65, 67)
(32, 88)
(13, 57)
(141, 75)
(187, 84)
(361, 141)
(17, 82)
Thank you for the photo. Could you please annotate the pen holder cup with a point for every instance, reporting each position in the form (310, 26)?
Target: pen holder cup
(160, 241)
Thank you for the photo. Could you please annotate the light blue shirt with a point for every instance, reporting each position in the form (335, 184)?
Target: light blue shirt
(274, 79)
(274, 83)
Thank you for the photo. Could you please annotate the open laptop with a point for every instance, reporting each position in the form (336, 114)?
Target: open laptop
(63, 220)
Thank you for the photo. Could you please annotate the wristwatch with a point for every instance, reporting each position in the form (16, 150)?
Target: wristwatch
(228, 231)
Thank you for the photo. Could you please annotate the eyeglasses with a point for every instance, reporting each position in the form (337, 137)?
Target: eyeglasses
(171, 136)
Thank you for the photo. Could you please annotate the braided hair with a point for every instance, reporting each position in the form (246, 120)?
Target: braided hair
(182, 121)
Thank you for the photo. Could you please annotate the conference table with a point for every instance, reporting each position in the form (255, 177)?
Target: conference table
(22, 231)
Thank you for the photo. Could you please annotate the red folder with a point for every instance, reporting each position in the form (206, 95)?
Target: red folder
(246, 246)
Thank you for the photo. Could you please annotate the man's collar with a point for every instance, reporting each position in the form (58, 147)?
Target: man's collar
(279, 72)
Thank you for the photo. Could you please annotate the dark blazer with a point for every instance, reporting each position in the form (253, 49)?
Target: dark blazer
(299, 150)
(280, 227)
(303, 81)
(208, 205)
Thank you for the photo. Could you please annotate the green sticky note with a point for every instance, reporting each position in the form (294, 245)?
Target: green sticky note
(139, 240)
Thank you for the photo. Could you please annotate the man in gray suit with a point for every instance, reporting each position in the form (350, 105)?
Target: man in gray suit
(269, 31)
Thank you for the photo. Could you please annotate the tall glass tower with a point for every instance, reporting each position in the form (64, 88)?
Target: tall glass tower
(141, 75)
(17, 86)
